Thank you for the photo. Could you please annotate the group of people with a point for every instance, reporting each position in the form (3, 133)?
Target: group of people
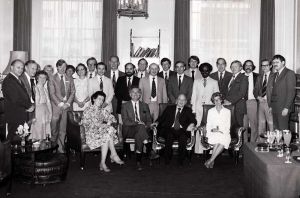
(132, 99)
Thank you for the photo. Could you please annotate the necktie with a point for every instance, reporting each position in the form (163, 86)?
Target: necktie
(179, 82)
(264, 88)
(230, 83)
(129, 83)
(166, 76)
(176, 123)
(193, 74)
(114, 79)
(204, 82)
(62, 86)
(141, 75)
(101, 84)
(135, 113)
(32, 84)
(276, 75)
(153, 90)
(91, 75)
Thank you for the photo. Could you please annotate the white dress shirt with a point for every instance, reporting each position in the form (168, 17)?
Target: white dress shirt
(151, 80)
(182, 76)
(250, 86)
(28, 79)
(267, 79)
(176, 114)
(93, 74)
(168, 74)
(141, 72)
(116, 74)
(137, 108)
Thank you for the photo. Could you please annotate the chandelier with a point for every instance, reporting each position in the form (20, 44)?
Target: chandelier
(133, 8)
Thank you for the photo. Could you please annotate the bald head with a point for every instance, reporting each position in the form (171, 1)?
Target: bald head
(153, 69)
(17, 67)
(181, 100)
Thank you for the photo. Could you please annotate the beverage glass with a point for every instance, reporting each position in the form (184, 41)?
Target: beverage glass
(287, 136)
(288, 156)
(278, 138)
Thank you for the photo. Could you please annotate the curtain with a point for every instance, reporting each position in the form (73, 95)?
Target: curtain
(22, 25)
(109, 31)
(267, 29)
(225, 28)
(71, 30)
(182, 30)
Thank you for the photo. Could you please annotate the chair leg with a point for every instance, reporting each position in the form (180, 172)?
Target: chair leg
(190, 156)
(236, 156)
(82, 160)
(206, 154)
(124, 150)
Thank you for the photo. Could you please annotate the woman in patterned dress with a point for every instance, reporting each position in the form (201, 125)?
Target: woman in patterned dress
(98, 130)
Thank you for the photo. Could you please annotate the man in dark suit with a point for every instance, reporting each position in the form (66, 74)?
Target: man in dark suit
(124, 84)
(166, 73)
(176, 122)
(17, 103)
(237, 92)
(222, 76)
(136, 124)
(283, 93)
(180, 84)
(251, 104)
(263, 92)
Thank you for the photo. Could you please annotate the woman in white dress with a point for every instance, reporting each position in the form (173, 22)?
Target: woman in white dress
(218, 128)
(81, 100)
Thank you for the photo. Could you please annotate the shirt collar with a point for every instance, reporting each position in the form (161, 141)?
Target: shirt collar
(279, 71)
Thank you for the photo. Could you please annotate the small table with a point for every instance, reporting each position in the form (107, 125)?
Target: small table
(267, 176)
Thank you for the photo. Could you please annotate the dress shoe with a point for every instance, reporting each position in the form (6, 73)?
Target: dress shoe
(104, 168)
(116, 159)
(153, 155)
(206, 164)
(139, 166)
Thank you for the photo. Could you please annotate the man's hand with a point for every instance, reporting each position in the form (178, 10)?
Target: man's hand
(154, 124)
(30, 109)
(65, 106)
(285, 112)
(191, 127)
(259, 98)
(141, 122)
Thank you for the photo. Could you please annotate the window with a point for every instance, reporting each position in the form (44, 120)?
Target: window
(225, 28)
(71, 30)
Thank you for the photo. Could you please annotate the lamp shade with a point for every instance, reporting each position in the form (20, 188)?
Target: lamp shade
(22, 55)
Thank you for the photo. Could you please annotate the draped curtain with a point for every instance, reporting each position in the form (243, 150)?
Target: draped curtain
(71, 30)
(225, 28)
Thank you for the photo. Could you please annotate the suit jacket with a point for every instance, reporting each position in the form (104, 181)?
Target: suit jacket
(16, 101)
(55, 92)
(161, 74)
(203, 94)
(258, 87)
(94, 85)
(223, 86)
(186, 88)
(122, 90)
(108, 74)
(128, 116)
(138, 75)
(161, 92)
(167, 119)
(26, 84)
(197, 74)
(238, 92)
(283, 92)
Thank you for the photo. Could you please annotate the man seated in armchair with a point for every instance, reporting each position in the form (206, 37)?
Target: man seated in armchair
(176, 123)
(136, 124)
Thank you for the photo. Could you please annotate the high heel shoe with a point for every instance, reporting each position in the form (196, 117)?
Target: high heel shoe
(104, 168)
(206, 164)
(211, 165)
(116, 159)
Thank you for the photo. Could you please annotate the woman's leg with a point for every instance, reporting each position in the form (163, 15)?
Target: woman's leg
(104, 149)
(113, 153)
(218, 148)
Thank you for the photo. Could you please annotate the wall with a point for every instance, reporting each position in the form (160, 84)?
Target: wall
(6, 31)
(161, 16)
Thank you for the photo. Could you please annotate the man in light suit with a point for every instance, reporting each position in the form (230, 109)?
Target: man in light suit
(62, 93)
(101, 83)
(193, 71)
(180, 84)
(203, 89)
(136, 123)
(142, 68)
(222, 76)
(91, 64)
(283, 93)
(237, 92)
(262, 92)
(153, 90)
(16, 101)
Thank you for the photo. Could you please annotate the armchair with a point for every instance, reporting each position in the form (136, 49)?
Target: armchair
(236, 133)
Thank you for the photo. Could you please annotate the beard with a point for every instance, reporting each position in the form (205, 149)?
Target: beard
(128, 74)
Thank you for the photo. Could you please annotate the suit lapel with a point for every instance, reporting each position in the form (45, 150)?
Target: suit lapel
(19, 83)
(284, 71)
(131, 109)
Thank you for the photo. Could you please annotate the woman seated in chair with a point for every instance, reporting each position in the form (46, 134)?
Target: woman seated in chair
(218, 128)
(98, 130)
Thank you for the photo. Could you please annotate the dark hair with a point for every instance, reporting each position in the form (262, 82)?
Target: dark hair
(70, 67)
(253, 66)
(114, 56)
(41, 72)
(278, 56)
(194, 58)
(184, 64)
(164, 60)
(236, 61)
(91, 58)
(96, 94)
(217, 94)
(101, 63)
(134, 87)
(144, 60)
(129, 64)
(209, 66)
(17, 60)
(30, 62)
(221, 59)
(60, 62)
(81, 64)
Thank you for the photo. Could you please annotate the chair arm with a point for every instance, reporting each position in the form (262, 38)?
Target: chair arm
(155, 142)
(191, 144)
(203, 138)
(239, 143)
